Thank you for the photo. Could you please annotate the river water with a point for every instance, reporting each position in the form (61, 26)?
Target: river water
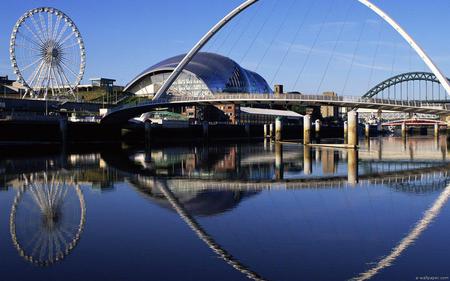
(228, 212)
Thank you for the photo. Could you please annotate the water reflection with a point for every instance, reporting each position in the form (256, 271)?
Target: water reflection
(410, 238)
(47, 218)
(202, 183)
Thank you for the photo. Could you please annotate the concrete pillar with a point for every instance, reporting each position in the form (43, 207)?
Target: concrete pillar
(205, 127)
(306, 129)
(345, 131)
(247, 130)
(352, 118)
(271, 130)
(266, 130)
(436, 130)
(379, 128)
(318, 125)
(307, 160)
(148, 155)
(404, 129)
(63, 127)
(352, 166)
(147, 133)
(367, 130)
(278, 129)
(279, 166)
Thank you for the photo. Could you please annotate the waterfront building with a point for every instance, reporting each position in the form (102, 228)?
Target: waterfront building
(210, 74)
(10, 88)
(207, 74)
(100, 89)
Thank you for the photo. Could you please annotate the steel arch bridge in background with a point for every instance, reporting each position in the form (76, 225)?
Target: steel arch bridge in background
(405, 78)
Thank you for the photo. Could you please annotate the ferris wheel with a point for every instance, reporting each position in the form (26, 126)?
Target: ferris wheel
(47, 218)
(47, 54)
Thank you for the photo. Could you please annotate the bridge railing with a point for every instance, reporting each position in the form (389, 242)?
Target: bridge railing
(232, 97)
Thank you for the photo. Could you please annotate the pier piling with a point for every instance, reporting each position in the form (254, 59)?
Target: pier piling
(278, 129)
(306, 129)
(352, 118)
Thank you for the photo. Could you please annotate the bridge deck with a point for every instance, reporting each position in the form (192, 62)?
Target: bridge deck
(124, 113)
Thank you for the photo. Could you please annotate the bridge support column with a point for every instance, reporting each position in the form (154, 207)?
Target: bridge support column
(367, 130)
(205, 129)
(436, 130)
(306, 129)
(278, 129)
(307, 160)
(147, 133)
(345, 131)
(63, 128)
(317, 126)
(271, 130)
(352, 118)
(352, 166)
(404, 130)
(379, 128)
(279, 166)
(266, 131)
(247, 130)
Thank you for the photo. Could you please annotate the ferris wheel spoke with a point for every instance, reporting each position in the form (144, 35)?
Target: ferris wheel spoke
(69, 86)
(35, 73)
(49, 26)
(29, 48)
(38, 28)
(61, 81)
(52, 82)
(43, 26)
(56, 28)
(61, 33)
(28, 39)
(66, 38)
(34, 34)
(39, 82)
(70, 46)
(68, 68)
(32, 64)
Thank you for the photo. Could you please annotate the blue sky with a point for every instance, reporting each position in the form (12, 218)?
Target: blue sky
(308, 45)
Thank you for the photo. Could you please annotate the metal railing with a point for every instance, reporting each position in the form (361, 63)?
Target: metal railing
(283, 97)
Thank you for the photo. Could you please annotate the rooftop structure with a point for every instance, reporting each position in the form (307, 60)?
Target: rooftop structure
(205, 75)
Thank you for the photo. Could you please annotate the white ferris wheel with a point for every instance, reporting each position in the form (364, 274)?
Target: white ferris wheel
(47, 54)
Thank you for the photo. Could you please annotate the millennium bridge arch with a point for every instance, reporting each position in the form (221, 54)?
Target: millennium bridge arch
(247, 4)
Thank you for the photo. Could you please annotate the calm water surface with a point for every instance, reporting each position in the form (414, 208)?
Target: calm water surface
(228, 212)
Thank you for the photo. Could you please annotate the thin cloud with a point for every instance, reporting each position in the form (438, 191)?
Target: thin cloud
(356, 60)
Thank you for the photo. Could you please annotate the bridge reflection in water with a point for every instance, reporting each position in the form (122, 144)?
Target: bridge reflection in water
(49, 213)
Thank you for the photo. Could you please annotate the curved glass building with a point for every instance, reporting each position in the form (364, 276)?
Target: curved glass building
(206, 74)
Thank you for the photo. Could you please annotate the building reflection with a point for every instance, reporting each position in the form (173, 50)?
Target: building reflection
(197, 203)
(206, 181)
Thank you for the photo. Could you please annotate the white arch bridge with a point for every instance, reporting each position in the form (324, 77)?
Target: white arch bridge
(125, 113)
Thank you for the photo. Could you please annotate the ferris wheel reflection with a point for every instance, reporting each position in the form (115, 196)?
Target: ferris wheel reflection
(47, 218)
